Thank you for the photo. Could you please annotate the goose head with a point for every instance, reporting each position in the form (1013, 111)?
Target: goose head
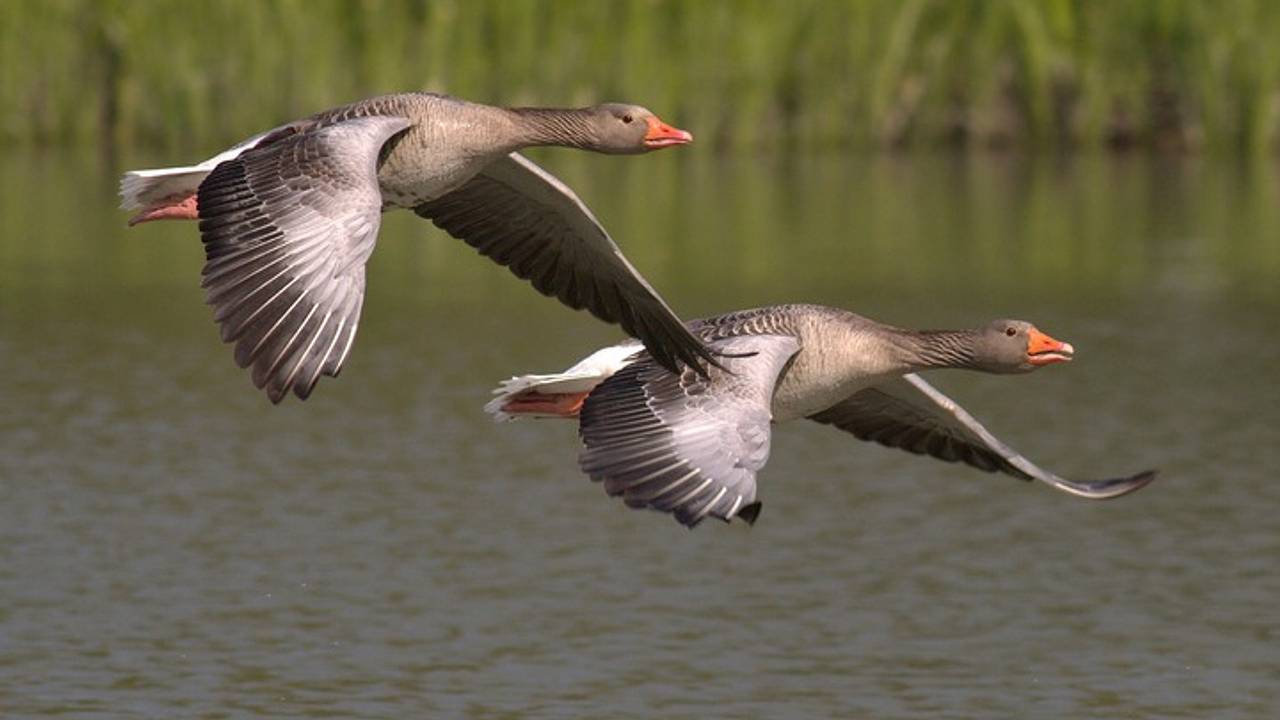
(1017, 346)
(622, 129)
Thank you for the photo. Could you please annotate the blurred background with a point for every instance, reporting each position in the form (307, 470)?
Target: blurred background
(172, 545)
(749, 74)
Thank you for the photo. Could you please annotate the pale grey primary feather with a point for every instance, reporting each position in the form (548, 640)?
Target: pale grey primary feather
(687, 444)
(911, 414)
(287, 228)
(527, 220)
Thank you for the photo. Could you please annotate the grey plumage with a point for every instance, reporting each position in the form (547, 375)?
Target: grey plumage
(287, 229)
(910, 414)
(692, 446)
(1009, 460)
(290, 216)
(683, 443)
(891, 413)
(525, 219)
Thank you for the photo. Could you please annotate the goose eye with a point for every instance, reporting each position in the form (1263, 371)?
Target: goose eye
(1010, 331)
(627, 119)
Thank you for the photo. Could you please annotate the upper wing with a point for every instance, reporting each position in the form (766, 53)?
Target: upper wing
(287, 228)
(526, 219)
(682, 443)
(911, 414)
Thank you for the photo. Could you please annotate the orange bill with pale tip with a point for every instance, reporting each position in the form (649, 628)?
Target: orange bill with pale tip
(662, 135)
(1044, 350)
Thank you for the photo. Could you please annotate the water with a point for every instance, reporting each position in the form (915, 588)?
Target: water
(171, 545)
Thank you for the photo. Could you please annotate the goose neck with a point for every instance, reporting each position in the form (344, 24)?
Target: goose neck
(932, 349)
(562, 127)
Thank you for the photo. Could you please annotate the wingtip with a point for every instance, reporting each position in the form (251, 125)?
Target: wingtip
(750, 512)
(1139, 481)
(1116, 487)
(700, 362)
(712, 357)
(677, 363)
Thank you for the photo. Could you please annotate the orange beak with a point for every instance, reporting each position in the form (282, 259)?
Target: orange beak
(662, 135)
(1044, 350)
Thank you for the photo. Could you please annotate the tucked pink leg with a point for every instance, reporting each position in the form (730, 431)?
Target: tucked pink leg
(533, 402)
(174, 207)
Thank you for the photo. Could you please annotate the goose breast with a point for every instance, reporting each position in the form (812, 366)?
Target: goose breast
(836, 360)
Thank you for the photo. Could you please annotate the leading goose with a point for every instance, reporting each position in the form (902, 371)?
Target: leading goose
(289, 217)
(691, 445)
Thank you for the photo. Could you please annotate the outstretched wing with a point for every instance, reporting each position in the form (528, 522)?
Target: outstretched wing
(683, 443)
(911, 414)
(526, 219)
(287, 228)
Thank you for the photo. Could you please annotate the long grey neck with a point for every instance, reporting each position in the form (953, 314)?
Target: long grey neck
(928, 349)
(562, 127)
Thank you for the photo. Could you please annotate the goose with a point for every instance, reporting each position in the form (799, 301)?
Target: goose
(691, 445)
(290, 216)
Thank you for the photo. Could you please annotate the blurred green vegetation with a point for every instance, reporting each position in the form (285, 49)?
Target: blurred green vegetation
(801, 74)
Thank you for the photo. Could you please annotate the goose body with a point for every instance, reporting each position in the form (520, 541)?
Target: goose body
(692, 445)
(290, 216)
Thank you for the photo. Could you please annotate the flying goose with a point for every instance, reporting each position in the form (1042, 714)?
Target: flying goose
(290, 216)
(691, 445)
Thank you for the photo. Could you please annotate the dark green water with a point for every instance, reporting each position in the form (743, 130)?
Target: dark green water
(171, 545)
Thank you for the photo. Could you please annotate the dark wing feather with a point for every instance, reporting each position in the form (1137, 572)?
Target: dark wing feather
(526, 219)
(683, 443)
(911, 414)
(287, 228)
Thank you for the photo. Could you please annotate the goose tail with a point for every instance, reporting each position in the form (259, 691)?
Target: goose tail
(166, 192)
(558, 395)
(142, 189)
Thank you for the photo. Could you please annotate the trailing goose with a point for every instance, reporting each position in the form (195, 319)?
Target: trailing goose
(691, 445)
(289, 217)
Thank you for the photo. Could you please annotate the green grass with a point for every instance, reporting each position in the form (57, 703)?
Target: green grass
(743, 74)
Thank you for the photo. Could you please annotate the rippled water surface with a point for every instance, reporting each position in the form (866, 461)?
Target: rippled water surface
(171, 545)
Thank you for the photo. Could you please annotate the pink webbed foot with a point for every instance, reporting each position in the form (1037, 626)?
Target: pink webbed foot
(532, 402)
(174, 207)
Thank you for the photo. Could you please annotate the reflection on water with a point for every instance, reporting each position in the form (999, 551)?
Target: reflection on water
(172, 545)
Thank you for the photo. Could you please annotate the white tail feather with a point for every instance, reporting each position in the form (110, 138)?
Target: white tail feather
(140, 189)
(583, 377)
